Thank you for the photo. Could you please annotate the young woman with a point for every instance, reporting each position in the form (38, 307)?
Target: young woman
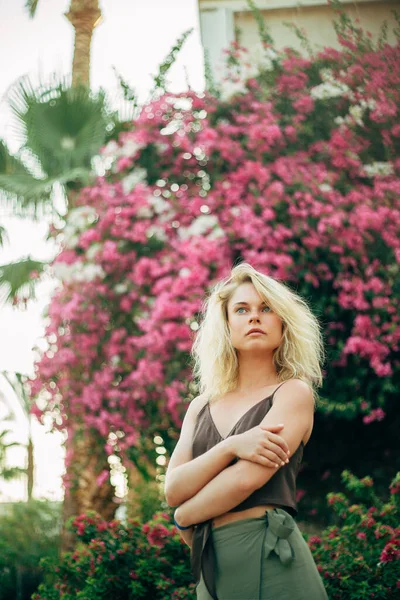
(233, 472)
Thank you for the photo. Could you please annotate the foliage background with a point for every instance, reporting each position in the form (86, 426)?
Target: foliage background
(296, 170)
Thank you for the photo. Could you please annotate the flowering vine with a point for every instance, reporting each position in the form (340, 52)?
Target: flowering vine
(298, 173)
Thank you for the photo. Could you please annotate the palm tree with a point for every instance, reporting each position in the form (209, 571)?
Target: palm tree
(18, 384)
(62, 127)
(84, 16)
(7, 473)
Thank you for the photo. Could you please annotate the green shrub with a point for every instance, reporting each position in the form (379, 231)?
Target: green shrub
(359, 556)
(145, 500)
(29, 531)
(133, 561)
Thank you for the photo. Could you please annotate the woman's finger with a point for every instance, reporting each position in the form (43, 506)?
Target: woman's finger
(276, 451)
(276, 439)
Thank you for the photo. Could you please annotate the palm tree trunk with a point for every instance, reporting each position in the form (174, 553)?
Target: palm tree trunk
(84, 15)
(30, 467)
(87, 460)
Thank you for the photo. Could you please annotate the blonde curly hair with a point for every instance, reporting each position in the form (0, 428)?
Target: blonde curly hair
(299, 355)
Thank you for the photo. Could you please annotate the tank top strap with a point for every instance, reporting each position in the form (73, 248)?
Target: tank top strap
(279, 386)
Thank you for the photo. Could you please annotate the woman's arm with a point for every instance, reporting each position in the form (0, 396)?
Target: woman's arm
(187, 536)
(225, 491)
(293, 406)
(185, 480)
(185, 476)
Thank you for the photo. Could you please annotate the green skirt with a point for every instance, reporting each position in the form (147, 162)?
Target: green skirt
(263, 558)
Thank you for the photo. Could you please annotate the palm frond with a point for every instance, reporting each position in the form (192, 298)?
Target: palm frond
(3, 236)
(26, 195)
(24, 191)
(21, 277)
(8, 445)
(12, 473)
(18, 186)
(63, 126)
(31, 5)
(10, 164)
(3, 435)
(17, 381)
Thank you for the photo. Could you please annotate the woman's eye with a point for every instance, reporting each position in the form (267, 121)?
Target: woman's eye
(242, 308)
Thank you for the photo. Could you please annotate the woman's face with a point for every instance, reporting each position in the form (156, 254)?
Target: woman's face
(247, 310)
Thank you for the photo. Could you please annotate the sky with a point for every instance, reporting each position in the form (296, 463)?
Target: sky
(134, 38)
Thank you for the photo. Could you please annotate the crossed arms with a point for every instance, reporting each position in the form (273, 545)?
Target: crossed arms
(206, 487)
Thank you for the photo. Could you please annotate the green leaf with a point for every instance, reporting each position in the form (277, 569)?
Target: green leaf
(17, 277)
(31, 196)
(31, 5)
(209, 77)
(263, 30)
(11, 473)
(62, 127)
(18, 382)
(9, 164)
(3, 236)
(160, 79)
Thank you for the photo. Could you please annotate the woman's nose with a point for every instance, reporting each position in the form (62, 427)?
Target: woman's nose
(254, 317)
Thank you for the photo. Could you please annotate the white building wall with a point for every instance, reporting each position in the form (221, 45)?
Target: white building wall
(217, 32)
(219, 18)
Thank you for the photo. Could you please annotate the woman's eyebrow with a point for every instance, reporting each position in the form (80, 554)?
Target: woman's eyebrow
(236, 303)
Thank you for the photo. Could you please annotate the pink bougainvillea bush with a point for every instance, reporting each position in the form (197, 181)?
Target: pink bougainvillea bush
(297, 173)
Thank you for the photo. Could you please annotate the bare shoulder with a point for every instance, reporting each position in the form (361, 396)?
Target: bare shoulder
(296, 397)
(296, 391)
(196, 405)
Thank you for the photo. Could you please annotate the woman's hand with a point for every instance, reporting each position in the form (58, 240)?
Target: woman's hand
(262, 445)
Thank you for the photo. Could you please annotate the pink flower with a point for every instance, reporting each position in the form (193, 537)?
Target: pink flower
(157, 536)
(375, 415)
(304, 105)
(123, 163)
(116, 345)
(315, 539)
(103, 477)
(300, 494)
(391, 552)
(395, 488)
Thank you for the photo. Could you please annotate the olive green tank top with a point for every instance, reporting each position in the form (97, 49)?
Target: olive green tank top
(279, 490)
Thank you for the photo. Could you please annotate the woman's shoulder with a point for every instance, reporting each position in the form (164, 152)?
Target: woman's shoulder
(197, 404)
(297, 383)
(302, 389)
